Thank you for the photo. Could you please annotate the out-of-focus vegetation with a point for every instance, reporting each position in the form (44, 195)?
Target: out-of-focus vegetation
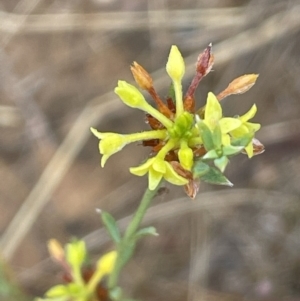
(9, 290)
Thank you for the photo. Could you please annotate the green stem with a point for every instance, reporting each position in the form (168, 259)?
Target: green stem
(127, 240)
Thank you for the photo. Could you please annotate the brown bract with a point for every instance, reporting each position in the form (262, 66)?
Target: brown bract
(203, 67)
(239, 85)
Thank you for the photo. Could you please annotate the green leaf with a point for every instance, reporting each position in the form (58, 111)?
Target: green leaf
(146, 231)
(111, 226)
(217, 137)
(214, 176)
(212, 154)
(200, 169)
(242, 141)
(206, 136)
(221, 163)
(230, 150)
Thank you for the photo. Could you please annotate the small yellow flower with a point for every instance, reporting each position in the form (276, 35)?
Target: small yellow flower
(213, 111)
(213, 118)
(111, 143)
(157, 169)
(247, 128)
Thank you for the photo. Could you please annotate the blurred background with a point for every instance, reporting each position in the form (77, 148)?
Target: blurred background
(59, 63)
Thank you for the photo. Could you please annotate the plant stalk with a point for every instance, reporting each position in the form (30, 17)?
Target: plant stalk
(128, 238)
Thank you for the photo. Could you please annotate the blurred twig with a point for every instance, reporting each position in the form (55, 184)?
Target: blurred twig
(123, 21)
(24, 7)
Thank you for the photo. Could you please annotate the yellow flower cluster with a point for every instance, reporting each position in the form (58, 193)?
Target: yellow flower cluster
(182, 136)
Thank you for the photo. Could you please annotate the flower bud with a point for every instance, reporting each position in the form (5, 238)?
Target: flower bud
(56, 250)
(76, 253)
(185, 155)
(175, 65)
(130, 95)
(141, 76)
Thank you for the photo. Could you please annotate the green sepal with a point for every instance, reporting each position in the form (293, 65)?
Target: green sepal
(214, 176)
(217, 137)
(242, 141)
(206, 136)
(146, 231)
(199, 169)
(221, 163)
(212, 154)
(111, 226)
(230, 150)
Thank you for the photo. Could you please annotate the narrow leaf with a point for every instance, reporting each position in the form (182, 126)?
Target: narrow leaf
(221, 163)
(214, 176)
(111, 226)
(146, 231)
(200, 169)
(242, 141)
(230, 150)
(206, 136)
(217, 137)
